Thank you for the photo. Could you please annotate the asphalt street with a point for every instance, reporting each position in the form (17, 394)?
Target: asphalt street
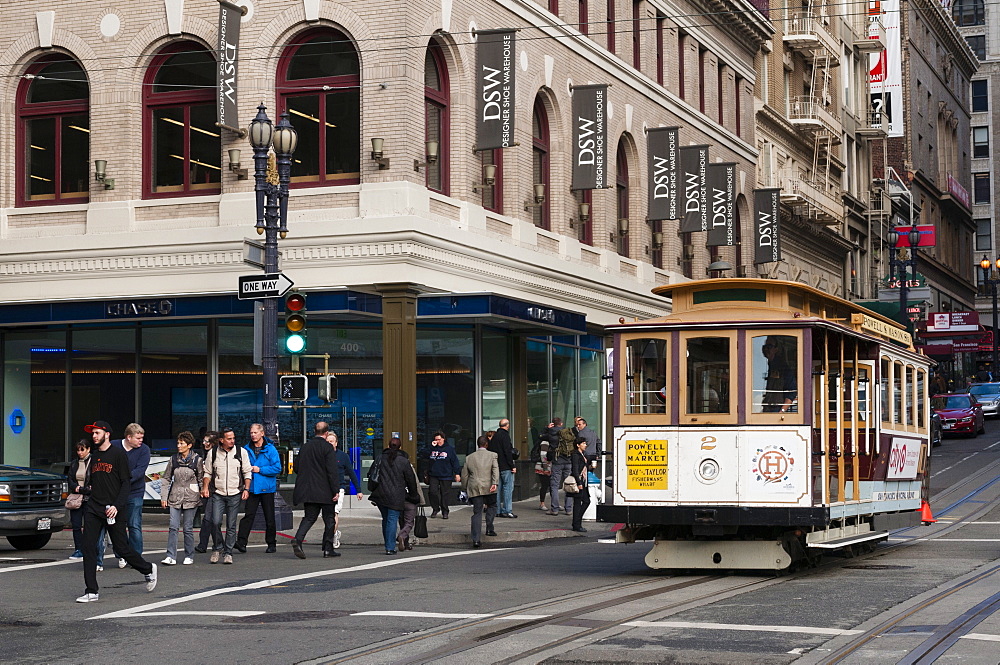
(535, 594)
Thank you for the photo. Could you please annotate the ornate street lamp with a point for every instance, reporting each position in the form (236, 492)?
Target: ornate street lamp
(272, 213)
(991, 280)
(913, 237)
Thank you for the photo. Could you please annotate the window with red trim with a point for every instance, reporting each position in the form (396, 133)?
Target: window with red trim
(182, 144)
(437, 100)
(657, 254)
(636, 35)
(554, 7)
(621, 190)
(319, 84)
(492, 194)
(611, 25)
(53, 138)
(681, 44)
(660, 18)
(540, 162)
(584, 14)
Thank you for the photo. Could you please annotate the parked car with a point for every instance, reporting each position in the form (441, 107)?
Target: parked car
(32, 506)
(937, 430)
(960, 413)
(988, 396)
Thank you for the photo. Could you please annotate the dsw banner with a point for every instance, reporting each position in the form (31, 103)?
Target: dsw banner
(663, 170)
(590, 103)
(228, 48)
(767, 232)
(495, 89)
(721, 204)
(694, 188)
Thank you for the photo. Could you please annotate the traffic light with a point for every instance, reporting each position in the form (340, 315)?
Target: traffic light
(293, 387)
(295, 323)
(327, 388)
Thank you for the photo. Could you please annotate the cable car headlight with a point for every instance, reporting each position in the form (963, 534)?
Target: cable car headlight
(708, 470)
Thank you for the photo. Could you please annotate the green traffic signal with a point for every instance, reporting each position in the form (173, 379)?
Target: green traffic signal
(295, 323)
(295, 343)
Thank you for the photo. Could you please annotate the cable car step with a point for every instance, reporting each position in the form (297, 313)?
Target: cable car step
(850, 540)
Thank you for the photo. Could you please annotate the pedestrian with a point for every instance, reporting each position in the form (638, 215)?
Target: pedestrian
(265, 466)
(317, 487)
(581, 500)
(442, 470)
(109, 488)
(561, 464)
(501, 444)
(228, 470)
(138, 461)
(99, 438)
(78, 474)
(396, 482)
(543, 468)
(182, 480)
(347, 474)
(208, 441)
(593, 441)
(480, 476)
(403, 540)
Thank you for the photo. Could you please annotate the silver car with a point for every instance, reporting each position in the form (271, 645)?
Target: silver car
(988, 396)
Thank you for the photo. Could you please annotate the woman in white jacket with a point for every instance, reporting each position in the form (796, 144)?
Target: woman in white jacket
(181, 491)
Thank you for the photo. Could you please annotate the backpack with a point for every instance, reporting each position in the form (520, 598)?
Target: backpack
(375, 474)
(566, 446)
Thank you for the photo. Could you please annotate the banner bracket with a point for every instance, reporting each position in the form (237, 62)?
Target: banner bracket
(499, 147)
(243, 8)
(242, 133)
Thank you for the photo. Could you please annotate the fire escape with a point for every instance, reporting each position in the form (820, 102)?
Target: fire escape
(810, 190)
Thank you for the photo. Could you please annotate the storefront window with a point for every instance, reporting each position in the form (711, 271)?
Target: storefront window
(446, 389)
(591, 385)
(564, 383)
(174, 370)
(495, 361)
(539, 411)
(103, 366)
(34, 398)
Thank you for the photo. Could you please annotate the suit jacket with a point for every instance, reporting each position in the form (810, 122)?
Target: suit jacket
(480, 472)
(501, 445)
(317, 479)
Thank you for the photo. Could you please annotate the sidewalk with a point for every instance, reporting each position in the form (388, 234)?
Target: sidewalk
(361, 524)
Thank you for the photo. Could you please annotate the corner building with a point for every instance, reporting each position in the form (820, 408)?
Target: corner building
(443, 302)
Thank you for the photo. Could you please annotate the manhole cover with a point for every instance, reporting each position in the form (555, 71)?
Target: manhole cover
(288, 617)
(877, 566)
(19, 562)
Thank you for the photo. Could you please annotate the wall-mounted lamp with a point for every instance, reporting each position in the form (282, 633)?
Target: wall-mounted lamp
(432, 156)
(584, 209)
(539, 197)
(623, 226)
(100, 174)
(657, 240)
(383, 162)
(234, 165)
(489, 178)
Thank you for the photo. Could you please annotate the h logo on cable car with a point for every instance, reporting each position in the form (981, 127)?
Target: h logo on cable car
(773, 464)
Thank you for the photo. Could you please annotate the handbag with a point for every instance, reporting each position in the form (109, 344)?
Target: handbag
(74, 501)
(543, 469)
(375, 474)
(420, 524)
(569, 485)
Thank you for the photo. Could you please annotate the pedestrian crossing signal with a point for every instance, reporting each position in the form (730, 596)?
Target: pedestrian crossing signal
(293, 387)
(327, 389)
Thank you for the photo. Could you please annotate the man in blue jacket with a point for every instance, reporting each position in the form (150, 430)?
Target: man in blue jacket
(138, 461)
(266, 464)
(441, 471)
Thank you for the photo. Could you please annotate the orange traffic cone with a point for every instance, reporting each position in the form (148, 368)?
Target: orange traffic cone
(925, 513)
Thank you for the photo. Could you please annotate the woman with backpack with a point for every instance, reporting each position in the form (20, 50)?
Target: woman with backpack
(391, 483)
(182, 481)
(561, 463)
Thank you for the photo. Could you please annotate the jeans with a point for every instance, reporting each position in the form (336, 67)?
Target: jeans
(581, 500)
(231, 506)
(390, 522)
(207, 527)
(478, 502)
(134, 522)
(181, 518)
(506, 492)
(562, 468)
(76, 519)
(313, 511)
(93, 519)
(250, 512)
(440, 493)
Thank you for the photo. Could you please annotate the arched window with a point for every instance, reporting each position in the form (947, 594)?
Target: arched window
(540, 162)
(183, 146)
(53, 138)
(437, 99)
(968, 12)
(621, 189)
(319, 84)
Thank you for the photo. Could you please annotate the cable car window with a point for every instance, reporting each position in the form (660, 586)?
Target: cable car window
(775, 373)
(708, 375)
(897, 393)
(911, 410)
(722, 295)
(921, 390)
(884, 391)
(646, 373)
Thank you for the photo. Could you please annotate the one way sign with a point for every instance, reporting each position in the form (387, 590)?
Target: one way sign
(253, 287)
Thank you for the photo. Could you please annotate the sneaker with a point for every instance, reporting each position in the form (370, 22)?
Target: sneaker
(76, 556)
(215, 557)
(188, 561)
(151, 579)
(554, 512)
(227, 559)
(122, 563)
(88, 598)
(336, 539)
(169, 561)
(491, 532)
(100, 569)
(541, 507)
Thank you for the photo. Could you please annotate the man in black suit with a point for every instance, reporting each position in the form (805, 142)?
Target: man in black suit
(317, 486)
(502, 446)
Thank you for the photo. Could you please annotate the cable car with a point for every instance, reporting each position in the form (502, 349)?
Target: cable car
(763, 423)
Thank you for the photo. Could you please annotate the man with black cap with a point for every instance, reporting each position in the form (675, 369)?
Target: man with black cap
(110, 482)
